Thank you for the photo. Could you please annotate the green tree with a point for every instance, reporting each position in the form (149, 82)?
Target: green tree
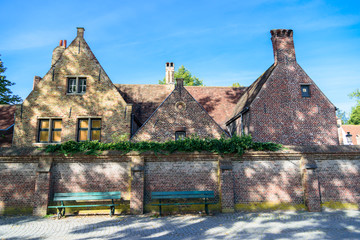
(355, 111)
(342, 115)
(6, 96)
(189, 79)
(355, 116)
(236, 85)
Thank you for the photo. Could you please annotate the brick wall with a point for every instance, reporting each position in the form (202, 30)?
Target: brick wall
(268, 181)
(17, 181)
(254, 178)
(339, 180)
(181, 176)
(90, 177)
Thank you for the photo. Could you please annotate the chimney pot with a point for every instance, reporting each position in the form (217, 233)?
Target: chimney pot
(283, 46)
(65, 43)
(61, 43)
(80, 32)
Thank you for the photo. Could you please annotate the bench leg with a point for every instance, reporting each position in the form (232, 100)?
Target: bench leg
(60, 212)
(206, 209)
(112, 211)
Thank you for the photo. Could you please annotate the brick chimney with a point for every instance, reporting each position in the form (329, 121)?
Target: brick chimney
(283, 46)
(179, 82)
(37, 79)
(80, 32)
(169, 73)
(58, 51)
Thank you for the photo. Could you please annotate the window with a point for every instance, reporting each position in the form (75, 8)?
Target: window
(89, 129)
(305, 90)
(49, 130)
(179, 135)
(76, 85)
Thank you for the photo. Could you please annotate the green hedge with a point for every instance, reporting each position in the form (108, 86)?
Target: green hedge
(235, 145)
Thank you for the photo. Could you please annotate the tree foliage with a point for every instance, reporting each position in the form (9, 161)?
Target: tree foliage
(237, 85)
(6, 96)
(342, 115)
(355, 116)
(355, 112)
(189, 79)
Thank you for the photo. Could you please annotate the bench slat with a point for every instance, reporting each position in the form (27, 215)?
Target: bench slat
(182, 196)
(71, 198)
(85, 194)
(166, 204)
(95, 205)
(181, 193)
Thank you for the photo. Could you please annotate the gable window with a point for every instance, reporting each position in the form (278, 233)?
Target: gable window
(76, 85)
(305, 90)
(180, 135)
(89, 129)
(49, 130)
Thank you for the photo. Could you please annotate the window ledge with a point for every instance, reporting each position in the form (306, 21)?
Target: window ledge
(44, 144)
(75, 93)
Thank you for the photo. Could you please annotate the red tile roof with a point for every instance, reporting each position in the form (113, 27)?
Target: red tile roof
(6, 116)
(7, 113)
(354, 131)
(219, 102)
(144, 97)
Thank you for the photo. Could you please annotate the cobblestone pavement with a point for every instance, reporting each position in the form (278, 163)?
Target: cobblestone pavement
(274, 225)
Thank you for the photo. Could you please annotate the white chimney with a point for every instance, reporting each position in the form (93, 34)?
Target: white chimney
(169, 73)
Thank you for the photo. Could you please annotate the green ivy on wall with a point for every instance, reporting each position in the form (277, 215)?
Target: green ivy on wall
(234, 145)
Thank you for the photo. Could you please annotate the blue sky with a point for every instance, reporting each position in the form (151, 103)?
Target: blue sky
(221, 42)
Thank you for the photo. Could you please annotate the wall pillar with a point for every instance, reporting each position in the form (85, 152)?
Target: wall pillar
(42, 186)
(137, 185)
(310, 182)
(226, 186)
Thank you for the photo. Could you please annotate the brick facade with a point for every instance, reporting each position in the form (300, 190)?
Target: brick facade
(179, 112)
(275, 109)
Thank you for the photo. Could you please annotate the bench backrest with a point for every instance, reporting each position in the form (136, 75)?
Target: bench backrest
(183, 194)
(86, 196)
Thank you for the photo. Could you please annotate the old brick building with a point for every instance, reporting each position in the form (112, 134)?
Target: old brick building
(284, 105)
(76, 100)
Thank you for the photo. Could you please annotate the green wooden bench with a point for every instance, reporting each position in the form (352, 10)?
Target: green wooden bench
(85, 196)
(204, 195)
